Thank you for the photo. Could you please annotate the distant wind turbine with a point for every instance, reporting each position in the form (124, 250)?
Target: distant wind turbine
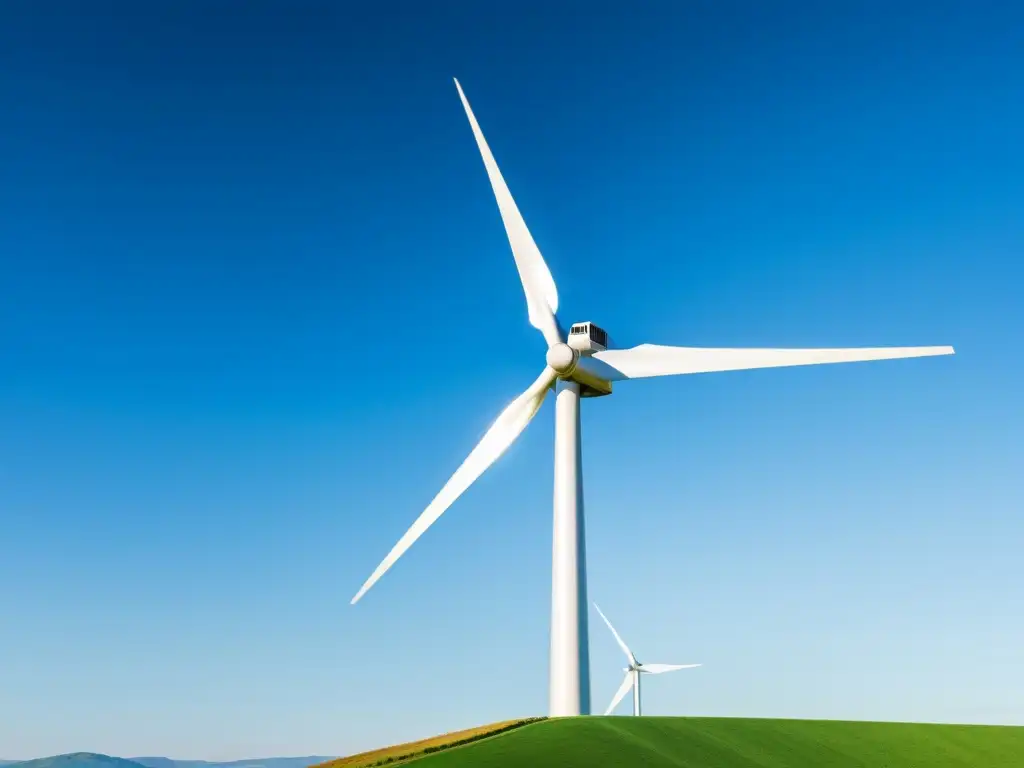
(634, 671)
(580, 363)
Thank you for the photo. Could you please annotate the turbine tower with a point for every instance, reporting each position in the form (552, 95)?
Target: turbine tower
(634, 671)
(582, 363)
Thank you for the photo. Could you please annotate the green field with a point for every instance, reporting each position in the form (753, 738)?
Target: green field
(699, 742)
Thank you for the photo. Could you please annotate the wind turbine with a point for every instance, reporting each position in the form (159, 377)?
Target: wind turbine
(582, 363)
(635, 670)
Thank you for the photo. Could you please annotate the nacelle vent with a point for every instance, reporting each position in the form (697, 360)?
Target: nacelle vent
(587, 338)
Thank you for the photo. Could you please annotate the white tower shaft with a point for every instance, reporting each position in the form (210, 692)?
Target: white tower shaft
(636, 692)
(570, 655)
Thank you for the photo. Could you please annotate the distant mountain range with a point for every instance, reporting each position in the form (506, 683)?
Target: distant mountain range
(93, 760)
(77, 760)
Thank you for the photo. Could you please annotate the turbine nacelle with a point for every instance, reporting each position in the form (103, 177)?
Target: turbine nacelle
(574, 359)
(569, 363)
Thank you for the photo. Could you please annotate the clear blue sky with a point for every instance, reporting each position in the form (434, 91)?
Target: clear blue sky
(258, 305)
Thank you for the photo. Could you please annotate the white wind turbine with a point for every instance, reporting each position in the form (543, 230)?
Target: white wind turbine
(582, 364)
(635, 670)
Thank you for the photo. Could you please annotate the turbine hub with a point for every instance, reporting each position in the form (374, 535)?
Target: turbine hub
(562, 359)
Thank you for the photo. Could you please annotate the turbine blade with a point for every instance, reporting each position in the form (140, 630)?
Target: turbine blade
(619, 640)
(506, 428)
(656, 360)
(539, 285)
(627, 683)
(657, 669)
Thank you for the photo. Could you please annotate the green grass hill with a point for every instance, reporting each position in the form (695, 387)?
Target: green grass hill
(699, 742)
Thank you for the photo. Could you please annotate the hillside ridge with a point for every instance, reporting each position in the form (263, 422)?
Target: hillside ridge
(413, 750)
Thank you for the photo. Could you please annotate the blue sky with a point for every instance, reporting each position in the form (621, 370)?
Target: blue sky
(258, 305)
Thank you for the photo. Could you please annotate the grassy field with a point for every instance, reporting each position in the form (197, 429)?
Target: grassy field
(661, 742)
(401, 753)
